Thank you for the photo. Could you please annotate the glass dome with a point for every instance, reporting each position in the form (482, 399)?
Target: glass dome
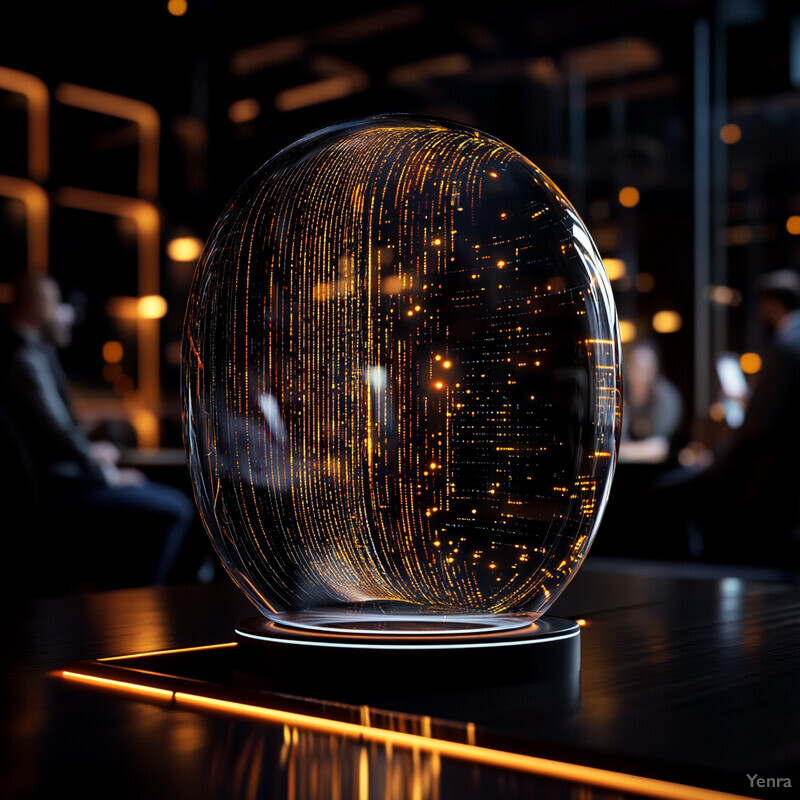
(401, 379)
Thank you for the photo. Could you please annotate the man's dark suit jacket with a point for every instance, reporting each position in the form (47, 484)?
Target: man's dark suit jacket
(34, 395)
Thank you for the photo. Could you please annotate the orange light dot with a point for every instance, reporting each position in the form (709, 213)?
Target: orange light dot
(627, 330)
(417, 308)
(667, 321)
(493, 174)
(152, 306)
(410, 313)
(793, 225)
(439, 385)
(185, 248)
(177, 7)
(244, 110)
(615, 268)
(447, 364)
(730, 133)
(750, 363)
(433, 465)
(501, 264)
(112, 352)
(437, 241)
(717, 412)
(629, 196)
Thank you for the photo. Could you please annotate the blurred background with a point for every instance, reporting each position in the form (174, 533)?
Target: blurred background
(671, 125)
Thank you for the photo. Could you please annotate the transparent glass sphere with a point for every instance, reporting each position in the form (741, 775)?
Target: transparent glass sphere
(401, 377)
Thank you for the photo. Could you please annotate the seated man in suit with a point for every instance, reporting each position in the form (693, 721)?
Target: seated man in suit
(107, 521)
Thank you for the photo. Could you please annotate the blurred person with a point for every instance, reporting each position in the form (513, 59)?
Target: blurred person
(653, 407)
(745, 504)
(130, 529)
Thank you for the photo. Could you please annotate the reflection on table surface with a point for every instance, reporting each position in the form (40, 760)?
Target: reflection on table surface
(689, 679)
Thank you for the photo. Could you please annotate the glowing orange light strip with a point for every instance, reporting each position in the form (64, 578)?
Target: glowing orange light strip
(466, 752)
(114, 105)
(148, 226)
(170, 652)
(121, 686)
(37, 218)
(38, 99)
(576, 773)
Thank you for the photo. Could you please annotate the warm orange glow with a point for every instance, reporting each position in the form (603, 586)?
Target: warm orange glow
(581, 623)
(615, 268)
(724, 295)
(37, 218)
(627, 330)
(146, 425)
(667, 321)
(311, 94)
(575, 773)
(629, 196)
(177, 7)
(645, 282)
(739, 234)
(425, 69)
(559, 770)
(750, 363)
(244, 110)
(730, 133)
(114, 105)
(717, 412)
(447, 364)
(148, 231)
(120, 686)
(38, 100)
(123, 307)
(112, 352)
(185, 248)
(152, 306)
(793, 225)
(174, 650)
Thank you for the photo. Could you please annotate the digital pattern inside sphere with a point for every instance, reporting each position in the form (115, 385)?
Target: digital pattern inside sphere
(401, 376)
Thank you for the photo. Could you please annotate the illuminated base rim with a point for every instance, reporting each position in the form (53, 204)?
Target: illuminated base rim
(406, 632)
(394, 624)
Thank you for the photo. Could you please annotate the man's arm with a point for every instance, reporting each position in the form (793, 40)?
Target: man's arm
(32, 381)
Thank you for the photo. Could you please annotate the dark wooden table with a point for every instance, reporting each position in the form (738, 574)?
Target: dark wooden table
(689, 675)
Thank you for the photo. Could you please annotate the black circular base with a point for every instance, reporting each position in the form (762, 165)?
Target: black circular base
(542, 656)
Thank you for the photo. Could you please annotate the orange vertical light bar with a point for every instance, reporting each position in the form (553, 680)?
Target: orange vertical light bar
(37, 218)
(148, 226)
(114, 105)
(38, 100)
